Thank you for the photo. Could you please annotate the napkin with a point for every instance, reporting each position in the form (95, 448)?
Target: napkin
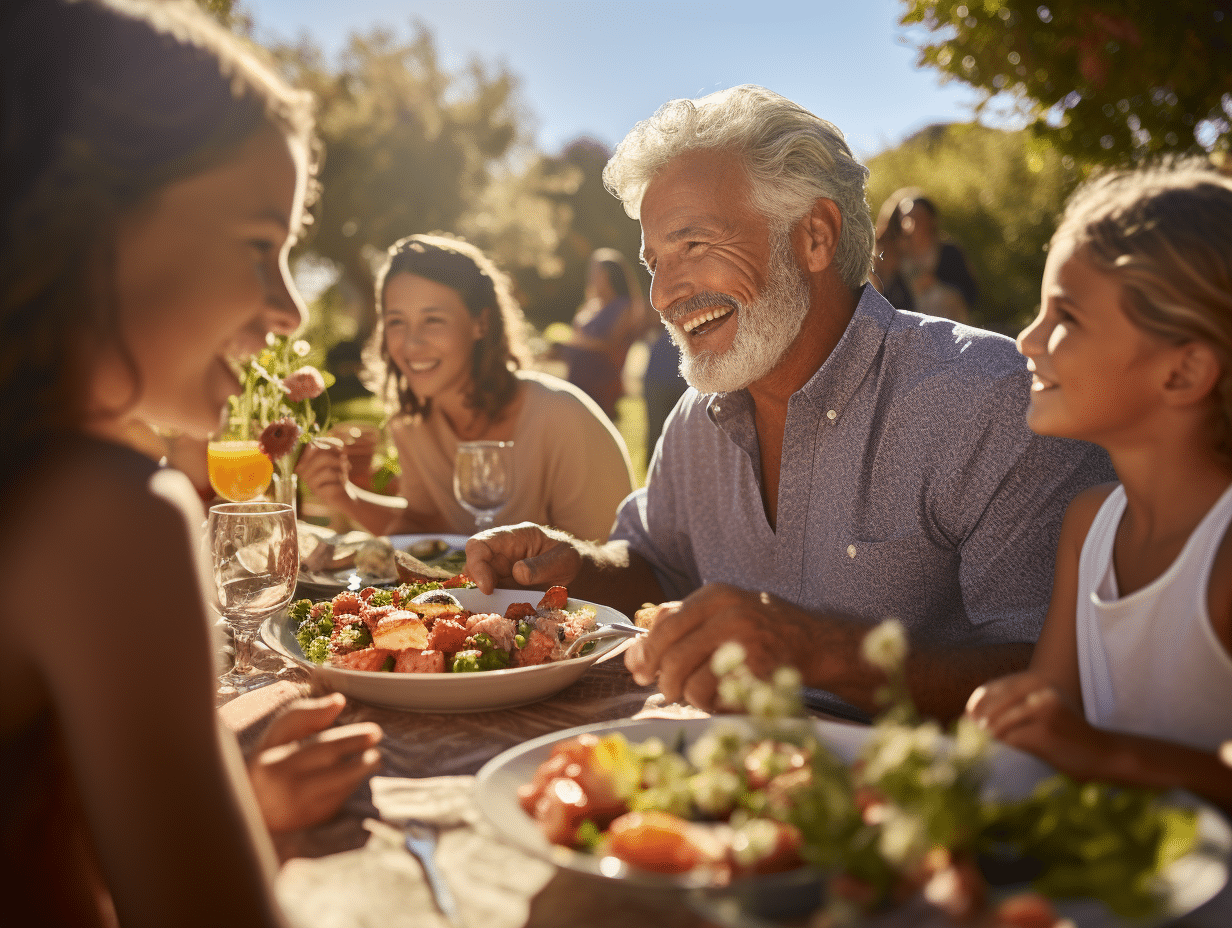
(381, 884)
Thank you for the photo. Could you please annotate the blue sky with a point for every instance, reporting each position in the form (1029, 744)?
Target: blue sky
(596, 67)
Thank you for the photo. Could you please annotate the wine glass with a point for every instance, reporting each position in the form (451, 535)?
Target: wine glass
(239, 470)
(483, 478)
(254, 555)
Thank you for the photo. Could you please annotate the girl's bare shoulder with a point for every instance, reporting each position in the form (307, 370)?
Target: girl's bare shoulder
(1082, 511)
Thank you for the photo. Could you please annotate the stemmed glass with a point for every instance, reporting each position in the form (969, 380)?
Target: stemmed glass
(483, 478)
(254, 555)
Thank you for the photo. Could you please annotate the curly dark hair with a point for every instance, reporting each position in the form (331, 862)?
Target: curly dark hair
(500, 351)
(104, 104)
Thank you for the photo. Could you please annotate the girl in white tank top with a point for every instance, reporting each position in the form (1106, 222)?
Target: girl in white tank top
(1131, 680)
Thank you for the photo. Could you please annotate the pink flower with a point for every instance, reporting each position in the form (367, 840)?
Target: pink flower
(279, 438)
(303, 384)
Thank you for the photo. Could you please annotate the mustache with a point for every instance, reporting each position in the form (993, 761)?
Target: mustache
(699, 301)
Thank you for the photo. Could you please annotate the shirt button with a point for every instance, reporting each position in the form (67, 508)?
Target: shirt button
(851, 550)
(831, 415)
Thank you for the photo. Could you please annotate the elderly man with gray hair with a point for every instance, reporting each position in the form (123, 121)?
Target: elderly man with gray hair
(835, 462)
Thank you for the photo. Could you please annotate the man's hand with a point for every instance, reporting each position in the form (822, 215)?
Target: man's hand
(526, 554)
(678, 648)
(303, 770)
(1026, 712)
(325, 470)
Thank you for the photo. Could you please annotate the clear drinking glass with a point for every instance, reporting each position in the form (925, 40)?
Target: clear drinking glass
(483, 478)
(254, 555)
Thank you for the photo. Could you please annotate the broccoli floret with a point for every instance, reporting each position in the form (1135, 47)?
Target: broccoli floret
(408, 591)
(466, 661)
(317, 650)
(305, 633)
(381, 598)
(389, 663)
(299, 611)
(495, 659)
(354, 637)
(312, 628)
(483, 641)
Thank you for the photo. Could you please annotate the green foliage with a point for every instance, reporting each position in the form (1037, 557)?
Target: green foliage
(408, 147)
(999, 195)
(1104, 80)
(1097, 840)
(588, 218)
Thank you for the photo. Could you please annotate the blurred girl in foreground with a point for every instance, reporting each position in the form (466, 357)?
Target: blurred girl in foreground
(450, 356)
(153, 176)
(1131, 680)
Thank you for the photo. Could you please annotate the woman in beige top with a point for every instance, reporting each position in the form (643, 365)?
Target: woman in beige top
(450, 364)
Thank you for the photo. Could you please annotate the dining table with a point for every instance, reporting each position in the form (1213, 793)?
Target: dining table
(354, 870)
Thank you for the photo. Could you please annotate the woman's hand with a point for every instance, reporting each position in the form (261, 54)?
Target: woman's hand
(1025, 711)
(325, 470)
(303, 770)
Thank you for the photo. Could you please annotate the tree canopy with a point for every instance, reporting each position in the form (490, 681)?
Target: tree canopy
(1104, 80)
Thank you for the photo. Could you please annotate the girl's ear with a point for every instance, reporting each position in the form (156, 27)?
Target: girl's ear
(1194, 374)
(821, 227)
(479, 327)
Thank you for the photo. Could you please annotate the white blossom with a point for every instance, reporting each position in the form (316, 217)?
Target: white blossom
(727, 657)
(885, 647)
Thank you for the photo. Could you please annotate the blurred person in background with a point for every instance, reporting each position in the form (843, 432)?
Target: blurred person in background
(662, 385)
(919, 269)
(607, 324)
(449, 360)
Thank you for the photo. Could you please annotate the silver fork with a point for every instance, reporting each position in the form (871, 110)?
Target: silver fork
(602, 633)
(421, 842)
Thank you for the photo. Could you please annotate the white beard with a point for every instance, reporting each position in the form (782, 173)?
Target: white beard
(765, 329)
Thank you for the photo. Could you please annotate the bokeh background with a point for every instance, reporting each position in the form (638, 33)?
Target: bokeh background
(493, 119)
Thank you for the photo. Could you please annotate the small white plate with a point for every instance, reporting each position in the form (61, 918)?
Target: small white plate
(328, 582)
(1187, 883)
(454, 692)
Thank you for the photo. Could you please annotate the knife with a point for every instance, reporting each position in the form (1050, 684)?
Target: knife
(421, 842)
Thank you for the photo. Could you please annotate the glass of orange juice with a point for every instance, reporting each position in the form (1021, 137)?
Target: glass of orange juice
(239, 470)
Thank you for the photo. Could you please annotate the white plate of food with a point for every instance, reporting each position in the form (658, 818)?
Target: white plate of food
(1185, 884)
(332, 563)
(456, 692)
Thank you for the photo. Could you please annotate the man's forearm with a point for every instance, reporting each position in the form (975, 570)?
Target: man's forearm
(616, 576)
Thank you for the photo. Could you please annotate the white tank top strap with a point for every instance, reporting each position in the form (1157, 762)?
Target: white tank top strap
(1098, 694)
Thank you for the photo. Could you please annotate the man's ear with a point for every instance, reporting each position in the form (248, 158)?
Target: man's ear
(820, 229)
(1194, 375)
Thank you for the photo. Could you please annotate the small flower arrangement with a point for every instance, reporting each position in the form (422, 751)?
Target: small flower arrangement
(275, 406)
(914, 814)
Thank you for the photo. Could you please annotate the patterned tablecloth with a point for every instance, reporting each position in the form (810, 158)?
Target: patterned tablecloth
(422, 745)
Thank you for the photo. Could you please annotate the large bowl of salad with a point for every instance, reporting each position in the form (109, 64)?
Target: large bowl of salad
(479, 690)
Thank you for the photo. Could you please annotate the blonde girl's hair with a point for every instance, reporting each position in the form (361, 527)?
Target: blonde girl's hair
(1165, 232)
